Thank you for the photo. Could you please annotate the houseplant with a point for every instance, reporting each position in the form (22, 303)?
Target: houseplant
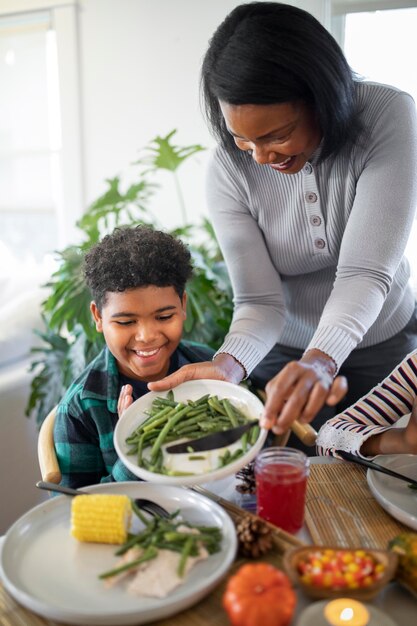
(70, 340)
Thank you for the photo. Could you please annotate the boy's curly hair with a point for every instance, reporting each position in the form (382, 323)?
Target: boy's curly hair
(132, 257)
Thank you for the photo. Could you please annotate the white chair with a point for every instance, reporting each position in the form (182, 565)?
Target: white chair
(48, 462)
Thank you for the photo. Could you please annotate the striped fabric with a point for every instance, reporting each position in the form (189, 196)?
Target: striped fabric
(372, 414)
(316, 258)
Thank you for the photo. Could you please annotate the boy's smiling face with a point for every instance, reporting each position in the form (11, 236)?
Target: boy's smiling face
(142, 328)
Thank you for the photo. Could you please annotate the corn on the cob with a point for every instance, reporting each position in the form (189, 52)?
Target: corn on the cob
(101, 518)
(405, 545)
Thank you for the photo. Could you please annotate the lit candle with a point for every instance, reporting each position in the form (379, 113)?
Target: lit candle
(346, 612)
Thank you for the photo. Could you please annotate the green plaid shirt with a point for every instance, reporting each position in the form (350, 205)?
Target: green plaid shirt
(87, 416)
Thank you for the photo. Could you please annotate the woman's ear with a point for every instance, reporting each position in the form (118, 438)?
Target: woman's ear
(96, 317)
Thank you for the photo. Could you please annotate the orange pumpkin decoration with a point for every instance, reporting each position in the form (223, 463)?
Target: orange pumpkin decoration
(259, 595)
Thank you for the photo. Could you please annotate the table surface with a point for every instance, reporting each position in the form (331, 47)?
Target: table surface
(394, 601)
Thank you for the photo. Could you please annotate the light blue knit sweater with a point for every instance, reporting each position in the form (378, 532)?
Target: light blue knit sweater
(316, 258)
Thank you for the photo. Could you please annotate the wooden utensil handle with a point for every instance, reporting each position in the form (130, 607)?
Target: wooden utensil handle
(305, 432)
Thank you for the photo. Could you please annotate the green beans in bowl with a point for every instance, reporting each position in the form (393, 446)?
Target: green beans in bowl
(194, 409)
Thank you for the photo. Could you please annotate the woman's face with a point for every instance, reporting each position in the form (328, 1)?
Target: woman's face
(283, 136)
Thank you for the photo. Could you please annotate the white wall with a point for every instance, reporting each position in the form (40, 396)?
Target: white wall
(140, 63)
(138, 73)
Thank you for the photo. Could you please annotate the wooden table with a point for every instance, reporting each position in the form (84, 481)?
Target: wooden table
(396, 602)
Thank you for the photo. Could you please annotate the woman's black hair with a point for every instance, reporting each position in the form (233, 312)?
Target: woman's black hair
(132, 257)
(270, 53)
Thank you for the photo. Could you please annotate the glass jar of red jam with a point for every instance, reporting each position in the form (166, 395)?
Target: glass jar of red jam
(281, 481)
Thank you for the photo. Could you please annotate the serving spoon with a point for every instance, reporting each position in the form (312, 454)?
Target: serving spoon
(353, 458)
(149, 506)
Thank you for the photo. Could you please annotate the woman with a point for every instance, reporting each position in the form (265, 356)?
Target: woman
(312, 193)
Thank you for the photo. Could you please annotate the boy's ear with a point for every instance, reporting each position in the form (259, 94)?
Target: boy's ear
(96, 317)
(184, 305)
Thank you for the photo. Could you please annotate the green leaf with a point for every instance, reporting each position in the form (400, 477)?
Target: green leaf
(161, 154)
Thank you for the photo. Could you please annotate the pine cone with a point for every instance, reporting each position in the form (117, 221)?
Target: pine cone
(247, 476)
(255, 537)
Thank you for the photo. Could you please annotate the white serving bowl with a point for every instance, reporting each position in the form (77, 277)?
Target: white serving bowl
(205, 471)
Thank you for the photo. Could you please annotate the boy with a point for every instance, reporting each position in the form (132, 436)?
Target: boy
(137, 279)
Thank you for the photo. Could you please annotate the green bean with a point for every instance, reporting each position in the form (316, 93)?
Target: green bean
(239, 414)
(186, 423)
(140, 450)
(158, 464)
(136, 539)
(159, 419)
(150, 553)
(244, 441)
(216, 405)
(173, 535)
(202, 400)
(229, 411)
(184, 556)
(235, 455)
(164, 534)
(138, 431)
(129, 544)
(213, 530)
(254, 434)
(171, 422)
(139, 513)
(174, 547)
(224, 458)
(197, 411)
(194, 434)
(145, 463)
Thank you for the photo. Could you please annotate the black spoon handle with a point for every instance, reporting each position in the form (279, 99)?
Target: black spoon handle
(59, 488)
(374, 466)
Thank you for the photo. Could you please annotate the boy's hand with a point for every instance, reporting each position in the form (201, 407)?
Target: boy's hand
(223, 367)
(125, 399)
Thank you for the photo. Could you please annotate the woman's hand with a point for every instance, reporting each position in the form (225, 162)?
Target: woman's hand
(125, 399)
(394, 440)
(223, 367)
(300, 390)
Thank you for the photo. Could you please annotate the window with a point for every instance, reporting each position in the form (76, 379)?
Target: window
(29, 128)
(40, 159)
(382, 46)
(389, 56)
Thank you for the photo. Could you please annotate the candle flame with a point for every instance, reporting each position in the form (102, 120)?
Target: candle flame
(347, 614)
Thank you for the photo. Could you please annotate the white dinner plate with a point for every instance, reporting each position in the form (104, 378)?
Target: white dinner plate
(51, 573)
(394, 495)
(202, 471)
